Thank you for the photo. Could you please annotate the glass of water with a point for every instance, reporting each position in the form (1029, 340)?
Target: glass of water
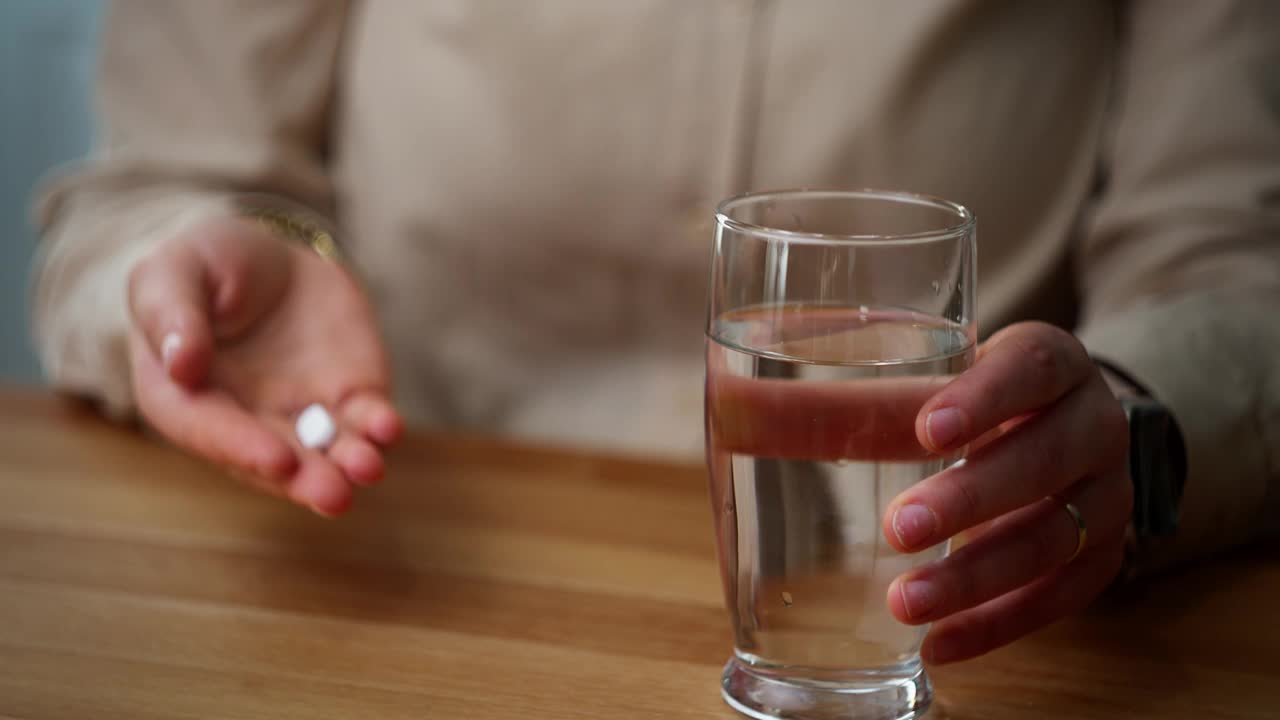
(832, 317)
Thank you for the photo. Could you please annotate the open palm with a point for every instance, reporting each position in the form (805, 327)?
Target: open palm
(234, 332)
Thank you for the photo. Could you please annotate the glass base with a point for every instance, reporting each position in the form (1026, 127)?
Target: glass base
(852, 696)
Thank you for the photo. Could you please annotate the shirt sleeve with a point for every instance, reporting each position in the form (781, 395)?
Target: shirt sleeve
(1179, 263)
(199, 102)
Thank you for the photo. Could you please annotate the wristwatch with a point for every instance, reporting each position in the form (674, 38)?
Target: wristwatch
(1157, 466)
(1157, 457)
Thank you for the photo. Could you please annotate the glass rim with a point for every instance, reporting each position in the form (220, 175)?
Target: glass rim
(962, 228)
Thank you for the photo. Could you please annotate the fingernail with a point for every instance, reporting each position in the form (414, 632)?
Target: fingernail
(169, 348)
(943, 427)
(919, 597)
(914, 524)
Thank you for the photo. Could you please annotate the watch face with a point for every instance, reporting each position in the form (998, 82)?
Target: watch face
(1157, 465)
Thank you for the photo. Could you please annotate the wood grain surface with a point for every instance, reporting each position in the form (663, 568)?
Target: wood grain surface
(489, 580)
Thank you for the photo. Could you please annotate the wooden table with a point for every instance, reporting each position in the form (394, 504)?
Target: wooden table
(487, 580)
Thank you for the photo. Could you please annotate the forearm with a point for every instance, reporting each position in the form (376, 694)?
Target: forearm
(192, 115)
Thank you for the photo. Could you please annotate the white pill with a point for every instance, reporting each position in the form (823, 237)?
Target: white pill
(315, 427)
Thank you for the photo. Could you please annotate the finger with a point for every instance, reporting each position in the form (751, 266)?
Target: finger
(320, 485)
(1015, 614)
(1017, 549)
(168, 300)
(357, 458)
(246, 267)
(815, 419)
(370, 414)
(207, 423)
(1085, 433)
(1021, 369)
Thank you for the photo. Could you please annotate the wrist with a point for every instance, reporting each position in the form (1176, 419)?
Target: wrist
(1157, 467)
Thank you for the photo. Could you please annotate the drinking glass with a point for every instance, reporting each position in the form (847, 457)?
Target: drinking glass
(832, 317)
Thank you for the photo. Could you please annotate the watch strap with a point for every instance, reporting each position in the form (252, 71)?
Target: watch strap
(1157, 466)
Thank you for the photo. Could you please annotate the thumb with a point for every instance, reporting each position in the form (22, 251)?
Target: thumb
(169, 302)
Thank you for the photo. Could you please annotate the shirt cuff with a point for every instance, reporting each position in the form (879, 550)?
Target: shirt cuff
(1192, 356)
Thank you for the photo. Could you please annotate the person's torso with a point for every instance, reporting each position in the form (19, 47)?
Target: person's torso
(530, 186)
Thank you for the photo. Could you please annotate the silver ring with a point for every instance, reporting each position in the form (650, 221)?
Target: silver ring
(1082, 530)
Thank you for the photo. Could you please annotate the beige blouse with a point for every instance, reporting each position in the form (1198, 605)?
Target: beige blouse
(528, 188)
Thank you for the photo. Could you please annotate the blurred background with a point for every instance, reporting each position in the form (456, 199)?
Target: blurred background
(47, 50)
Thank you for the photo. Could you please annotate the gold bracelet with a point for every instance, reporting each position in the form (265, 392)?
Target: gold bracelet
(296, 228)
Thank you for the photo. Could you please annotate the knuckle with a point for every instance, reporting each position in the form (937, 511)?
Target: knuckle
(1050, 350)
(1065, 342)
(1038, 353)
(1041, 361)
